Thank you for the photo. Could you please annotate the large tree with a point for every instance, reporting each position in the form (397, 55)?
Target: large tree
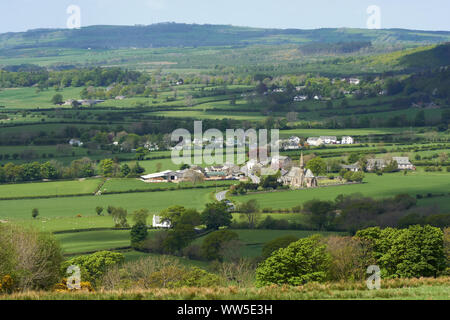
(216, 215)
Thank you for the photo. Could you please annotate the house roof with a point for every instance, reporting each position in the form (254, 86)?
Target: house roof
(157, 175)
(401, 160)
(309, 174)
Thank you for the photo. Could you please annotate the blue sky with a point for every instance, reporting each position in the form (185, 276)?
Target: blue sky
(21, 15)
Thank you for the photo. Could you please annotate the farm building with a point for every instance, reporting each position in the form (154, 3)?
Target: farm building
(404, 163)
(315, 141)
(165, 176)
(347, 140)
(157, 223)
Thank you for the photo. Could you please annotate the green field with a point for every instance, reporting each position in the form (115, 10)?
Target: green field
(386, 185)
(80, 242)
(57, 188)
(30, 98)
(72, 206)
(339, 132)
(124, 185)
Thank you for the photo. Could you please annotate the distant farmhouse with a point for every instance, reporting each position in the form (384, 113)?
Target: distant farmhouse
(314, 141)
(75, 143)
(158, 223)
(347, 140)
(379, 164)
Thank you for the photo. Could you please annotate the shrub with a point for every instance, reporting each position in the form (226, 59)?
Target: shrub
(302, 261)
(34, 213)
(30, 258)
(157, 272)
(275, 244)
(93, 266)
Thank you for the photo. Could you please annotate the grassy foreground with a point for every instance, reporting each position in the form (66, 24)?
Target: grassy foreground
(398, 289)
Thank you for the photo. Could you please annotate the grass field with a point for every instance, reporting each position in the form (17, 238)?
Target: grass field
(120, 185)
(386, 185)
(57, 188)
(396, 289)
(29, 98)
(80, 242)
(70, 207)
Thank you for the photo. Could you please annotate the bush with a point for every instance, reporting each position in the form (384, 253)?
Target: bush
(94, 266)
(302, 261)
(414, 252)
(30, 258)
(157, 272)
(275, 244)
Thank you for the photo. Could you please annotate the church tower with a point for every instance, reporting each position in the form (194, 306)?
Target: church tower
(302, 162)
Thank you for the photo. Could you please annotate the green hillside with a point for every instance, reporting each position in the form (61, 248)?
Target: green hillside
(191, 35)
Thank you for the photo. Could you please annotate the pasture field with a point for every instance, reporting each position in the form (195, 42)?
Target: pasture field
(70, 223)
(85, 205)
(127, 184)
(81, 242)
(375, 186)
(30, 98)
(339, 132)
(57, 188)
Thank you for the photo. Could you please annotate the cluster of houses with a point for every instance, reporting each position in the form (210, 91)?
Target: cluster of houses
(295, 176)
(375, 164)
(294, 143)
(318, 141)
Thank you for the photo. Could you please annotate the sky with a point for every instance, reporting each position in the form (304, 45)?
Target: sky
(22, 15)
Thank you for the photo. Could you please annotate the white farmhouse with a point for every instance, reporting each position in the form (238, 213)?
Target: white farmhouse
(157, 223)
(75, 143)
(314, 141)
(404, 163)
(347, 140)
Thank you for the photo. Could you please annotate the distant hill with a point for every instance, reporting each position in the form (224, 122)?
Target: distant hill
(437, 56)
(193, 35)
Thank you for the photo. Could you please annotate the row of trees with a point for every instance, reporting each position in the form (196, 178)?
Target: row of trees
(81, 168)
